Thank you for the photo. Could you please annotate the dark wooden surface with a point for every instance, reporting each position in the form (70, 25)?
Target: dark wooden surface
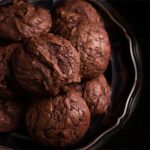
(136, 132)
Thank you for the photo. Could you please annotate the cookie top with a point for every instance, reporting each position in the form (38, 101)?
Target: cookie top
(79, 22)
(96, 93)
(58, 121)
(22, 20)
(46, 63)
(76, 11)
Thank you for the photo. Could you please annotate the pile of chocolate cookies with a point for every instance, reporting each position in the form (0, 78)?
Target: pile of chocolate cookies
(51, 70)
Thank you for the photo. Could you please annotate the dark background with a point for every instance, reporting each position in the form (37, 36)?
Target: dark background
(136, 132)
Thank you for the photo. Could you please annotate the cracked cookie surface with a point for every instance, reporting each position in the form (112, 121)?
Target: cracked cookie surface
(87, 36)
(22, 20)
(46, 63)
(97, 95)
(58, 121)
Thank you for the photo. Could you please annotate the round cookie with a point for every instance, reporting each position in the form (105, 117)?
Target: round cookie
(46, 63)
(10, 115)
(59, 121)
(22, 20)
(97, 95)
(73, 12)
(7, 90)
(78, 22)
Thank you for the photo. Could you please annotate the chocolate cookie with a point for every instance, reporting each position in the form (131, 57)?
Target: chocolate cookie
(59, 121)
(73, 12)
(97, 95)
(87, 36)
(10, 115)
(22, 20)
(7, 90)
(46, 63)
